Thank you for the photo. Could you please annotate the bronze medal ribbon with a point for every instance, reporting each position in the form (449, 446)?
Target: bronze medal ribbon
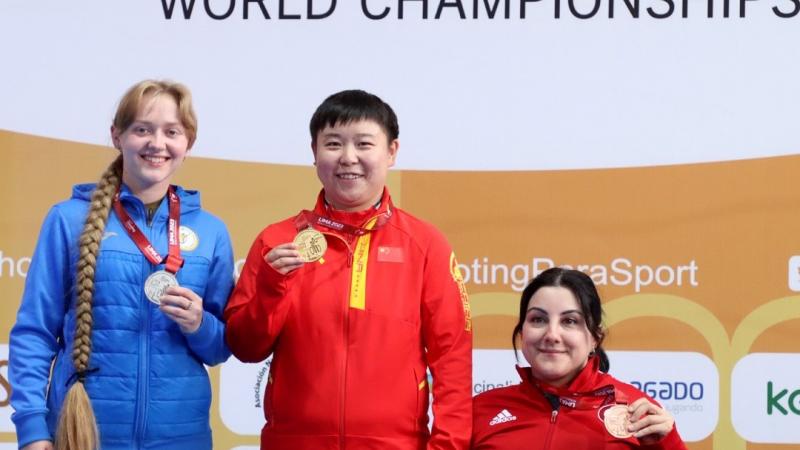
(584, 400)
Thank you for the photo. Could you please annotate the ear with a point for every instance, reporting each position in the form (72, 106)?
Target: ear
(394, 147)
(314, 151)
(597, 342)
(115, 137)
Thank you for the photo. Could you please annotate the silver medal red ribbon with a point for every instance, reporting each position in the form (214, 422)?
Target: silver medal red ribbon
(173, 261)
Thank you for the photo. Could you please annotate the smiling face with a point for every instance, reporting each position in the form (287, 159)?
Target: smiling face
(352, 162)
(555, 339)
(153, 147)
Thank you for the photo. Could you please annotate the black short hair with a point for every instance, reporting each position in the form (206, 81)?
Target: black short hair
(350, 106)
(582, 287)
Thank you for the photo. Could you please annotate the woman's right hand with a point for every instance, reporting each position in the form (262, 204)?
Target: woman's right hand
(649, 423)
(39, 445)
(284, 258)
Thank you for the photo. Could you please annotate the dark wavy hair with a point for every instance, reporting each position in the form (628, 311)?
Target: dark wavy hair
(583, 289)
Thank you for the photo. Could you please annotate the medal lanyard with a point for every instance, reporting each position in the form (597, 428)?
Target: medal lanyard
(173, 261)
(309, 218)
(583, 400)
(358, 279)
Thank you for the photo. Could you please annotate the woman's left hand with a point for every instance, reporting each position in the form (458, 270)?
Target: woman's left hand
(649, 423)
(184, 307)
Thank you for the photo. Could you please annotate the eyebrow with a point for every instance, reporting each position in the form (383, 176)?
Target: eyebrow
(339, 135)
(169, 124)
(326, 136)
(563, 313)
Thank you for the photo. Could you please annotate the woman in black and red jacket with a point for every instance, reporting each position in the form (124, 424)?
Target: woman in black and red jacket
(566, 400)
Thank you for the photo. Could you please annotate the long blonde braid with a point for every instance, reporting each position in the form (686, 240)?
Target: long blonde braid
(77, 426)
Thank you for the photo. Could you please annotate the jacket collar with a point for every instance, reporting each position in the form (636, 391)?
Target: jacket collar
(588, 388)
(355, 218)
(190, 200)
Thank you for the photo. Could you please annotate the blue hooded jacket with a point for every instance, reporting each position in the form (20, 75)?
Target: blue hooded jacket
(151, 389)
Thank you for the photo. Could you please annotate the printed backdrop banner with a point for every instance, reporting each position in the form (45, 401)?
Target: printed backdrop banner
(649, 143)
(697, 270)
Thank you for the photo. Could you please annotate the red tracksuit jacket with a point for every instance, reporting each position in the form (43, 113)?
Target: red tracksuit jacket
(349, 359)
(520, 417)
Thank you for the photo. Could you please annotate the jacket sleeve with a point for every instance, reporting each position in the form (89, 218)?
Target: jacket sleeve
(672, 441)
(447, 331)
(208, 341)
(34, 338)
(258, 306)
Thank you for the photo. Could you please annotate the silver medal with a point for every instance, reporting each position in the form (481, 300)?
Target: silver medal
(157, 283)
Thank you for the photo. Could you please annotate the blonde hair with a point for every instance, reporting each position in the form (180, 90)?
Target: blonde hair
(131, 103)
(77, 425)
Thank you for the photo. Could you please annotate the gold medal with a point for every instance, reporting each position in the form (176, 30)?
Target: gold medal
(157, 283)
(616, 419)
(311, 244)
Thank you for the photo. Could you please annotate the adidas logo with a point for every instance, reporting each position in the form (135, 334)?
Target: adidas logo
(502, 417)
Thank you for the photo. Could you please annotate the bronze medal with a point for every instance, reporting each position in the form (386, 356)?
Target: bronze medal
(616, 419)
(311, 244)
(157, 283)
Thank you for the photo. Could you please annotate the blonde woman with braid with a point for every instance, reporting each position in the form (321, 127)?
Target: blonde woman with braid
(124, 298)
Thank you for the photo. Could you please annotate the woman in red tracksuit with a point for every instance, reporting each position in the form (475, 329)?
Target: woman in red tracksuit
(355, 299)
(566, 400)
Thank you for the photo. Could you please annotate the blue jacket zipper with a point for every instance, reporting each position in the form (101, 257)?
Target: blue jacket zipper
(144, 341)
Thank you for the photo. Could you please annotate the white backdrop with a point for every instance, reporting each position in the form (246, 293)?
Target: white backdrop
(472, 94)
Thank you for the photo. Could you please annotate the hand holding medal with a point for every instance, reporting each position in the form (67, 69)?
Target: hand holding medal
(284, 258)
(183, 306)
(648, 422)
